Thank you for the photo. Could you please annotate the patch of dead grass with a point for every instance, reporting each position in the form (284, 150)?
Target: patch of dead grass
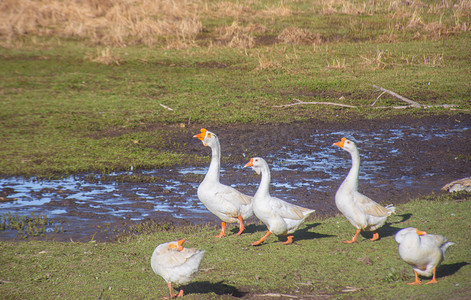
(294, 35)
(106, 22)
(238, 36)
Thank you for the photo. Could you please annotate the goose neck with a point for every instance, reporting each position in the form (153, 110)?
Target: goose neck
(214, 166)
(352, 177)
(264, 187)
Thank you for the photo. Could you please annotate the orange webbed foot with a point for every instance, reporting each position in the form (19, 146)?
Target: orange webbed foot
(375, 236)
(289, 240)
(354, 238)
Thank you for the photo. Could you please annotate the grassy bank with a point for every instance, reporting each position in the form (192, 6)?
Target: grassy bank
(317, 265)
(89, 86)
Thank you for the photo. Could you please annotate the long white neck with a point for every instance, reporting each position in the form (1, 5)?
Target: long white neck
(264, 187)
(351, 181)
(214, 166)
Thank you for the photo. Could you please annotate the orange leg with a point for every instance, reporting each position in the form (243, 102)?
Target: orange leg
(172, 295)
(262, 239)
(433, 278)
(223, 229)
(417, 281)
(289, 240)
(375, 236)
(241, 225)
(354, 238)
(181, 292)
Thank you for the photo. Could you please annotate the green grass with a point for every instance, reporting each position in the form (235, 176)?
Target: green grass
(62, 114)
(317, 264)
(65, 112)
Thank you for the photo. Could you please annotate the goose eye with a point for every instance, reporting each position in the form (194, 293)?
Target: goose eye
(209, 135)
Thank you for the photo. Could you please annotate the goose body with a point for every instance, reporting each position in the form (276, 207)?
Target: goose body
(176, 264)
(362, 212)
(227, 203)
(281, 218)
(423, 251)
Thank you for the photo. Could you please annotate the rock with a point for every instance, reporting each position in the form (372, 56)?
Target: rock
(459, 185)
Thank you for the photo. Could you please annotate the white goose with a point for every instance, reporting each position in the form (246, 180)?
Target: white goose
(225, 202)
(176, 264)
(281, 218)
(362, 212)
(424, 252)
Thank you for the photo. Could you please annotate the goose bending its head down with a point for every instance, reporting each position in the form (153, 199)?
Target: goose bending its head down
(362, 212)
(423, 251)
(281, 218)
(225, 202)
(176, 264)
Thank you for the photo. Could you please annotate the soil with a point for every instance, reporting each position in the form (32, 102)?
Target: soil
(450, 158)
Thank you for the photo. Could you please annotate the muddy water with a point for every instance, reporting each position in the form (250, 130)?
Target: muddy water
(398, 162)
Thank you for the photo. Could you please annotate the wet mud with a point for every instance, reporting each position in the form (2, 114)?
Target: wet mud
(402, 158)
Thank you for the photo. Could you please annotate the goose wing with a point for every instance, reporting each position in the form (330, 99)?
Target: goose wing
(369, 206)
(229, 194)
(289, 211)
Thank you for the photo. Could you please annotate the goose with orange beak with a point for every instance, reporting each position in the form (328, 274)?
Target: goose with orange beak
(424, 252)
(227, 203)
(362, 212)
(281, 218)
(176, 264)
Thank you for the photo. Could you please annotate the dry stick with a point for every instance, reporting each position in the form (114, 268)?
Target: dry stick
(299, 102)
(450, 106)
(165, 106)
(413, 103)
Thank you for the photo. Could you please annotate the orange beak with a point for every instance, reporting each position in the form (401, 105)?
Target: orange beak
(419, 232)
(340, 144)
(201, 135)
(249, 164)
(180, 243)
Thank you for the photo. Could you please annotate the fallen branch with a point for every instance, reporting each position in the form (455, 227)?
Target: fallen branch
(299, 102)
(423, 106)
(412, 103)
(278, 295)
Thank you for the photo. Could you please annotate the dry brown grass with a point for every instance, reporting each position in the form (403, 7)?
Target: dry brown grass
(294, 35)
(238, 36)
(178, 23)
(337, 63)
(106, 57)
(106, 22)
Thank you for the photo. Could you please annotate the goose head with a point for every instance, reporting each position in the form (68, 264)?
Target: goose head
(176, 245)
(207, 137)
(346, 145)
(257, 163)
(400, 236)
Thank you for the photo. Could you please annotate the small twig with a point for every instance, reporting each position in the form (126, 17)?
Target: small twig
(423, 106)
(165, 106)
(299, 102)
(5, 281)
(278, 295)
(377, 98)
(413, 103)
